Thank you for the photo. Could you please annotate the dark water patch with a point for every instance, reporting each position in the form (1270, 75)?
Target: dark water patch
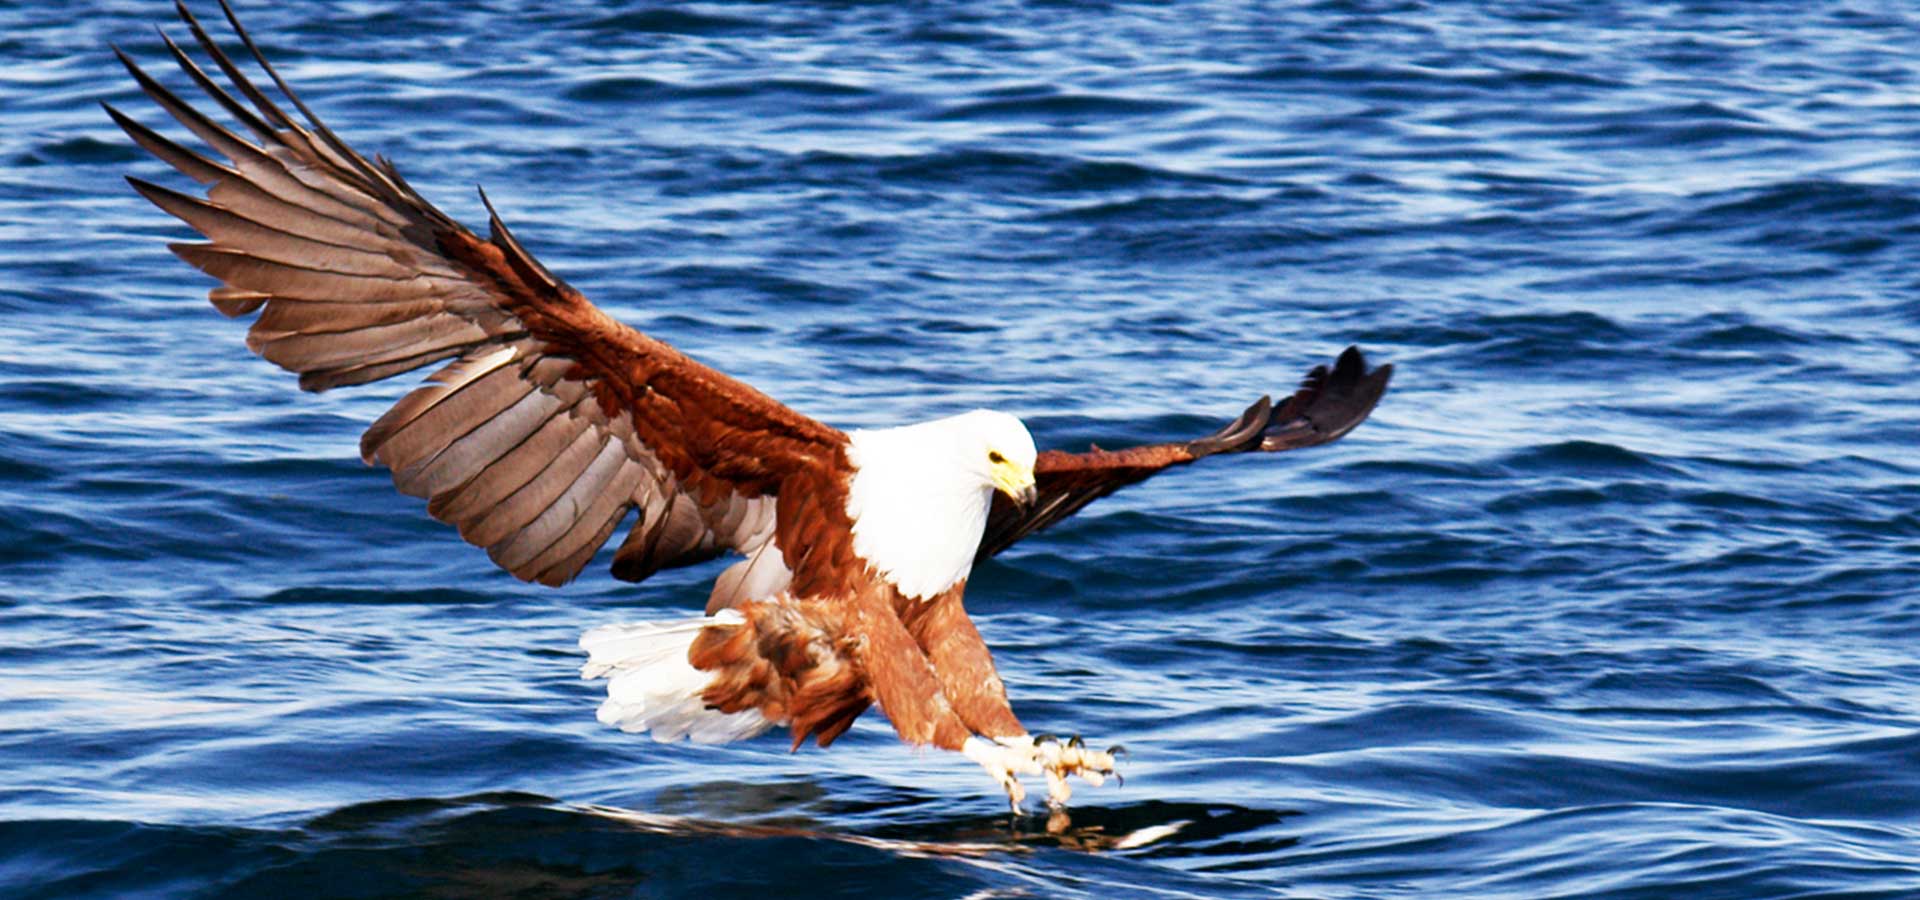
(623, 89)
(1058, 109)
(1527, 340)
(1797, 199)
(66, 395)
(1696, 126)
(991, 173)
(632, 89)
(1438, 468)
(1562, 499)
(21, 467)
(78, 151)
(1830, 217)
(1588, 458)
(1691, 276)
(1155, 210)
(953, 34)
(107, 859)
(852, 338)
(357, 597)
(45, 531)
(1695, 690)
(762, 284)
(1517, 79)
(981, 168)
(1799, 783)
(1747, 335)
(479, 846)
(670, 21)
(1189, 244)
(1736, 501)
(1446, 724)
(1395, 82)
(1565, 328)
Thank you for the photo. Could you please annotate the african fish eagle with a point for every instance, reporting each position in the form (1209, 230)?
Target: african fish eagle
(552, 421)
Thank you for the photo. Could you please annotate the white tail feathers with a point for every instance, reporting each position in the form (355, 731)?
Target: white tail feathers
(654, 689)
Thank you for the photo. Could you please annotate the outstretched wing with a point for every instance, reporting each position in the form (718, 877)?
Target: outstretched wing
(552, 420)
(1328, 405)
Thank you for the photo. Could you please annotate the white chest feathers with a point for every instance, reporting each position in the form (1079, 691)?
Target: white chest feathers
(920, 495)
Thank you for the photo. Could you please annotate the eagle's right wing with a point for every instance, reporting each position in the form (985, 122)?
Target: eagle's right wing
(1328, 405)
(552, 420)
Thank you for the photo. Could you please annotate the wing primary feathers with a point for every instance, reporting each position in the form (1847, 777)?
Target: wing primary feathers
(224, 226)
(187, 162)
(239, 79)
(360, 176)
(1328, 404)
(213, 90)
(246, 155)
(339, 152)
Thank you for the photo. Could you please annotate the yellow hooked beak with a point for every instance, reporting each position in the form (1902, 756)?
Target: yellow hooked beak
(1015, 481)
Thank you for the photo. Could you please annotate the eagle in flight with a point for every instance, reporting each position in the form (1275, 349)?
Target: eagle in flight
(550, 422)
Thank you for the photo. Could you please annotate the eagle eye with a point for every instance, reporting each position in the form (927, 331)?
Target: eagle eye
(993, 456)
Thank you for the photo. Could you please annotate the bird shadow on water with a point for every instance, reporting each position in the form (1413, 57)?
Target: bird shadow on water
(526, 845)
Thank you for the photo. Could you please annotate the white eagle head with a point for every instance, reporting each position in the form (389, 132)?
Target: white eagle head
(998, 449)
(920, 494)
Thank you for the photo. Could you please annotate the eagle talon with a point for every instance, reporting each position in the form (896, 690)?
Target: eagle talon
(1058, 791)
(1002, 760)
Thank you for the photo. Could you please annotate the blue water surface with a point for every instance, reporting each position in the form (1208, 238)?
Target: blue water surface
(1617, 595)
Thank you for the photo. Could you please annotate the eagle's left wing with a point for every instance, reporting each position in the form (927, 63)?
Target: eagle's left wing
(1328, 404)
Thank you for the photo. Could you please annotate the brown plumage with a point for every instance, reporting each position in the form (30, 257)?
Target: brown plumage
(548, 422)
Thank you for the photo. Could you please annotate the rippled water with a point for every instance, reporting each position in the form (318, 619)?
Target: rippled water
(1615, 595)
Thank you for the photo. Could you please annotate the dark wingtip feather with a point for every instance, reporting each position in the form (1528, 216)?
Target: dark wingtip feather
(155, 194)
(189, 163)
(517, 256)
(238, 78)
(1329, 403)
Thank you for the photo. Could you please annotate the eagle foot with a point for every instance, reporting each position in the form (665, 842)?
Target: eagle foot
(1004, 761)
(1046, 755)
